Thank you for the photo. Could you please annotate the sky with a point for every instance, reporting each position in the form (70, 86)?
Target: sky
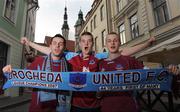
(49, 18)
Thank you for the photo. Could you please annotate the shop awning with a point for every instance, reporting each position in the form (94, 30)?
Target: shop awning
(167, 51)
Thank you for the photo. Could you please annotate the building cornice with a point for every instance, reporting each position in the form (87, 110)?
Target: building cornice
(8, 34)
(91, 13)
(128, 8)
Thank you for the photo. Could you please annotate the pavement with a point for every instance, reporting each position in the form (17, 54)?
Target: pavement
(158, 107)
(10, 102)
(21, 104)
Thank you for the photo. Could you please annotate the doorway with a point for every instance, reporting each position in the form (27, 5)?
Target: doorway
(3, 60)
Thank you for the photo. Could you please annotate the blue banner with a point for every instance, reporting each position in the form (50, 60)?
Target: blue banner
(139, 79)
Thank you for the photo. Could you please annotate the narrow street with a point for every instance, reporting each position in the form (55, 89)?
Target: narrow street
(15, 104)
(22, 107)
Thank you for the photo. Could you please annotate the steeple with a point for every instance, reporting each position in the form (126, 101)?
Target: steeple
(78, 26)
(80, 20)
(65, 27)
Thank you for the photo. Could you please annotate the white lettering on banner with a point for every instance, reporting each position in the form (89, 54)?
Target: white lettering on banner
(129, 87)
(34, 84)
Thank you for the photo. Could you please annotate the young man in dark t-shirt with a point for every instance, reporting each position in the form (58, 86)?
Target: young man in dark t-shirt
(117, 101)
(85, 62)
(120, 101)
(54, 62)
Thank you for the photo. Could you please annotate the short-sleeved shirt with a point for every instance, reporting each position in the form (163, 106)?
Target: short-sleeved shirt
(119, 101)
(84, 99)
(35, 105)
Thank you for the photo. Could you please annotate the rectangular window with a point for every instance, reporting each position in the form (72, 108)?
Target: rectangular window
(160, 11)
(91, 25)
(86, 29)
(96, 43)
(134, 26)
(94, 21)
(121, 4)
(121, 30)
(103, 35)
(10, 9)
(102, 12)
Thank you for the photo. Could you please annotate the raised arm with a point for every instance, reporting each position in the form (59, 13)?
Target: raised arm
(132, 50)
(174, 69)
(43, 49)
(7, 69)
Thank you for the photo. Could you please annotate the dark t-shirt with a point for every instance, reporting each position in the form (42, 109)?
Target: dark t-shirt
(119, 101)
(36, 105)
(85, 99)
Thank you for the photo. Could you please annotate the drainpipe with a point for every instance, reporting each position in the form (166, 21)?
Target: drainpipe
(35, 6)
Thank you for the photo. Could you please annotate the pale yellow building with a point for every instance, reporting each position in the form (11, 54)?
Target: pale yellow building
(136, 21)
(96, 23)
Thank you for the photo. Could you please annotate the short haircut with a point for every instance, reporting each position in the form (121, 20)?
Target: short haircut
(60, 36)
(86, 33)
(114, 33)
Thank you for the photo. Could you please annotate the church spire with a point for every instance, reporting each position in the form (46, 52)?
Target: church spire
(65, 27)
(79, 24)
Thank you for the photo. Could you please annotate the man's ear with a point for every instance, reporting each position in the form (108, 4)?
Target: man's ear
(79, 44)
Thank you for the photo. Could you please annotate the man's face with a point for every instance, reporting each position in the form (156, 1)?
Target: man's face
(57, 46)
(112, 43)
(86, 44)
